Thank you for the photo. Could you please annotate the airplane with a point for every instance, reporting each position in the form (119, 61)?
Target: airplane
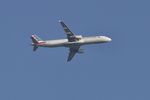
(73, 42)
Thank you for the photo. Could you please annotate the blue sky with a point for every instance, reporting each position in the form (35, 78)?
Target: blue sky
(115, 71)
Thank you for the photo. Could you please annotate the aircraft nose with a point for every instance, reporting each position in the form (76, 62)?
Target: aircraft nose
(109, 39)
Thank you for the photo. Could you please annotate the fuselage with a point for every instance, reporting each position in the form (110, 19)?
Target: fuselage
(80, 41)
(73, 42)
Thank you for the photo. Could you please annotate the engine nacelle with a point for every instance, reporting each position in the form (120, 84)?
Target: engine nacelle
(78, 37)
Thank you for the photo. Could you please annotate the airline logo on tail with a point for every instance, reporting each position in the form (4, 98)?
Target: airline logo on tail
(36, 42)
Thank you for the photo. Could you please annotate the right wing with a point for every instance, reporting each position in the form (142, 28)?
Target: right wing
(73, 51)
(71, 37)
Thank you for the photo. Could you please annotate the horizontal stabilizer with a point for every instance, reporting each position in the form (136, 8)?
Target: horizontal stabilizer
(35, 48)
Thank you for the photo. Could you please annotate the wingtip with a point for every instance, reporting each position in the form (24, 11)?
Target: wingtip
(68, 60)
(60, 21)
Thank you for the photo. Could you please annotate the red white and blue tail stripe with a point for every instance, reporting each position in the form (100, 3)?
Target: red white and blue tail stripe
(36, 42)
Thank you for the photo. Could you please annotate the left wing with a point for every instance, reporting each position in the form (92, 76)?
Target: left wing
(73, 51)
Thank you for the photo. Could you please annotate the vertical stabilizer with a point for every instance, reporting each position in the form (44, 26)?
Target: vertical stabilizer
(36, 40)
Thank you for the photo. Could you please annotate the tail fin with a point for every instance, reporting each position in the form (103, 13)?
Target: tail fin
(36, 40)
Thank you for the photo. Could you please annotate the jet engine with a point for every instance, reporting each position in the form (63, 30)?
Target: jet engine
(78, 37)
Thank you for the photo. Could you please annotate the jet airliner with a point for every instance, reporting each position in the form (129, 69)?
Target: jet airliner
(73, 42)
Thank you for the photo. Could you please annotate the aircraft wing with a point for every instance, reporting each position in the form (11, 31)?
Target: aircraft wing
(71, 37)
(73, 51)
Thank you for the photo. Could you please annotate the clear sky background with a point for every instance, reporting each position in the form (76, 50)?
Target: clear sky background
(119, 70)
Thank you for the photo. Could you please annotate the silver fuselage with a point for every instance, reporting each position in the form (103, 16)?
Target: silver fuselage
(80, 42)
